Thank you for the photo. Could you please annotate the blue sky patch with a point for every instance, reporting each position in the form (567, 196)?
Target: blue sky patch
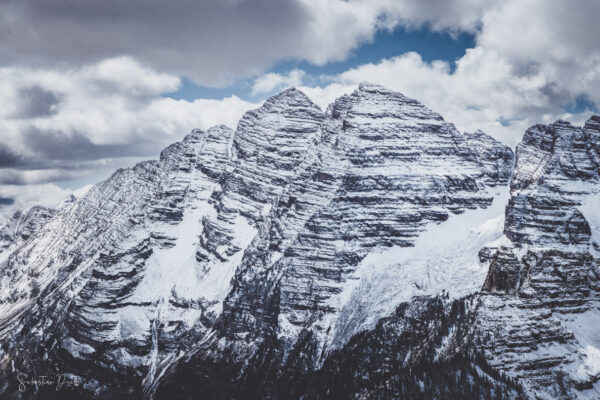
(582, 103)
(386, 44)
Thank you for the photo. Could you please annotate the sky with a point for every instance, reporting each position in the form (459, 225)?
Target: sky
(89, 87)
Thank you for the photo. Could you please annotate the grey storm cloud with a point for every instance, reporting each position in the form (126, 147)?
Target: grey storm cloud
(10, 157)
(35, 101)
(51, 145)
(6, 201)
(55, 155)
(209, 41)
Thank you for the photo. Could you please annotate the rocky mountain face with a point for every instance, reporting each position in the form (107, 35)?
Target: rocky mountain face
(539, 311)
(23, 225)
(368, 251)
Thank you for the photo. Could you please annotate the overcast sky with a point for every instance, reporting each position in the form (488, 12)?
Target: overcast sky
(90, 86)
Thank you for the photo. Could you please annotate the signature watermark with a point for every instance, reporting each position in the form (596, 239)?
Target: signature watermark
(57, 382)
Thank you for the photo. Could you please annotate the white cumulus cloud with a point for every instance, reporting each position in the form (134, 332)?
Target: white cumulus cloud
(267, 83)
(80, 124)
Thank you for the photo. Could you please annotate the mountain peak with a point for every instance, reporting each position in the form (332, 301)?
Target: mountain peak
(291, 97)
(593, 123)
(365, 86)
(220, 127)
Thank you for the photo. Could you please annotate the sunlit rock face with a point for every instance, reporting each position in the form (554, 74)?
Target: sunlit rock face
(315, 254)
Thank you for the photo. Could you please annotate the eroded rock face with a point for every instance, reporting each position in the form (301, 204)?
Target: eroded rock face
(382, 170)
(115, 272)
(542, 310)
(309, 247)
(22, 225)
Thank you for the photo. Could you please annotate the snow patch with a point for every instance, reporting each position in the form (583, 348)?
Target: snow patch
(443, 259)
(215, 285)
(590, 208)
(592, 361)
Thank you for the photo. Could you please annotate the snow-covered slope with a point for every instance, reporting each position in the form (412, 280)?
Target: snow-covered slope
(116, 269)
(383, 172)
(444, 259)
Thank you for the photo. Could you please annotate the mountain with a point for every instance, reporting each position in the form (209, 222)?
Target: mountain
(368, 251)
(539, 309)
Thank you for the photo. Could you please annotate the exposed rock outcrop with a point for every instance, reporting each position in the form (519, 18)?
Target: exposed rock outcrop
(540, 316)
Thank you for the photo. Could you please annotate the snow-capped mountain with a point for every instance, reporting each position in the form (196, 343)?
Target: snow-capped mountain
(368, 251)
(541, 317)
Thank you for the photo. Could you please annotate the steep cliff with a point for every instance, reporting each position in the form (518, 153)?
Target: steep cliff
(539, 311)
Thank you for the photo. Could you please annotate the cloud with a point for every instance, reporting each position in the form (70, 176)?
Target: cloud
(56, 145)
(552, 39)
(70, 173)
(523, 70)
(212, 42)
(82, 84)
(73, 122)
(35, 101)
(9, 158)
(216, 42)
(484, 92)
(439, 15)
(269, 82)
(14, 197)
